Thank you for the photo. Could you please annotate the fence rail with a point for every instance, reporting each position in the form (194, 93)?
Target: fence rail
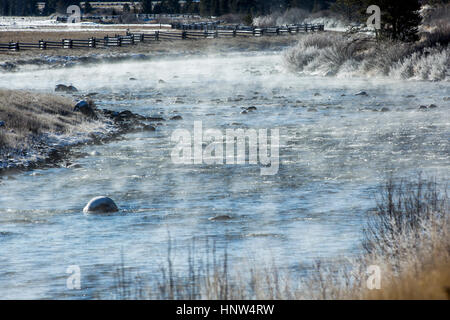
(182, 32)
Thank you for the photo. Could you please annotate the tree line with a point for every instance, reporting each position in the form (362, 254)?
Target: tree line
(204, 7)
(349, 8)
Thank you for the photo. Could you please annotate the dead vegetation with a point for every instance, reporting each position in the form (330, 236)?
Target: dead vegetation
(407, 237)
(200, 46)
(26, 116)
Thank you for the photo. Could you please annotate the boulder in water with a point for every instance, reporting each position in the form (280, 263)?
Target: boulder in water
(224, 217)
(361, 93)
(66, 89)
(100, 204)
(148, 127)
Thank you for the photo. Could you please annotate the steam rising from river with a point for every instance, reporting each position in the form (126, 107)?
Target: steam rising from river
(335, 148)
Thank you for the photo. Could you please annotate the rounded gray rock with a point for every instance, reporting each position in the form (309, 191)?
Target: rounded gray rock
(100, 204)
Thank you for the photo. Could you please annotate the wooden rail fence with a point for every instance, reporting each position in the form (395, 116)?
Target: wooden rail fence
(183, 33)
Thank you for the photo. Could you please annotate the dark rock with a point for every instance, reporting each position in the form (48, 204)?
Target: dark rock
(126, 114)
(252, 108)
(132, 79)
(148, 127)
(155, 119)
(224, 217)
(161, 81)
(176, 118)
(422, 107)
(84, 107)
(312, 110)
(361, 93)
(384, 109)
(432, 106)
(66, 89)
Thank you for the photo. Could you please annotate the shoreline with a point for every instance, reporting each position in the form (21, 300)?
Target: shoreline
(15, 61)
(49, 148)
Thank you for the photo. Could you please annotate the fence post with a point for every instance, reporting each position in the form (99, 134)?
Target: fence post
(42, 45)
(14, 46)
(156, 35)
(142, 37)
(92, 42)
(254, 31)
(67, 44)
(183, 34)
(234, 33)
(119, 41)
(105, 41)
(278, 31)
(216, 34)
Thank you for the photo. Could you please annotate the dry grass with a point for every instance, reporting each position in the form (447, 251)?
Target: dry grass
(200, 46)
(28, 115)
(407, 237)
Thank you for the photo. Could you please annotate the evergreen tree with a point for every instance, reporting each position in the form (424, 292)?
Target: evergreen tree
(400, 19)
(353, 10)
(147, 6)
(205, 7)
(224, 6)
(215, 8)
(87, 7)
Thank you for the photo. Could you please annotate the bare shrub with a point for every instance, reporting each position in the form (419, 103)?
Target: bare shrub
(290, 16)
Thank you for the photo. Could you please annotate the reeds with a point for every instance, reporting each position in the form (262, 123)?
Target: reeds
(406, 237)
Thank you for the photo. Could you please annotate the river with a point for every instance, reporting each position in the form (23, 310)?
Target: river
(336, 148)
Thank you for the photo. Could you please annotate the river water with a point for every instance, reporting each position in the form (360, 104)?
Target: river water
(335, 149)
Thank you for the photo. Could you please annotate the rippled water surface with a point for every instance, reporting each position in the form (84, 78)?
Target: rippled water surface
(336, 148)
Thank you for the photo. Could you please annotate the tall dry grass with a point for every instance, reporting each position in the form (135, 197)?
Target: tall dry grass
(27, 116)
(406, 236)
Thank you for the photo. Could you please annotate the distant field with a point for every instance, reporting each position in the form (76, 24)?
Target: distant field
(161, 47)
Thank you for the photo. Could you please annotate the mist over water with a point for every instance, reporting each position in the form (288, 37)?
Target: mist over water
(335, 149)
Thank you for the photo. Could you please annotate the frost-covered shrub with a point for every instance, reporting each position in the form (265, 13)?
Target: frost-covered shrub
(290, 16)
(336, 54)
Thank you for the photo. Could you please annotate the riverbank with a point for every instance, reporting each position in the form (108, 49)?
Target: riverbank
(14, 61)
(39, 130)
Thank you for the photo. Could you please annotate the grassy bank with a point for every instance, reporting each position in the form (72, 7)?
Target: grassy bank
(406, 237)
(34, 125)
